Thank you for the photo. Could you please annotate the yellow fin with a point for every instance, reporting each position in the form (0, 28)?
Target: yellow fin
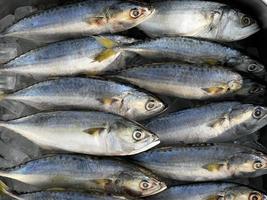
(212, 197)
(103, 182)
(2, 95)
(105, 55)
(211, 61)
(215, 90)
(108, 101)
(212, 167)
(3, 187)
(56, 189)
(94, 131)
(106, 42)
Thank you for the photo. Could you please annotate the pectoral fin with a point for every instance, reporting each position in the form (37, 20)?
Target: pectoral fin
(212, 167)
(218, 122)
(214, 90)
(212, 197)
(96, 21)
(103, 182)
(106, 42)
(109, 101)
(94, 131)
(105, 55)
(211, 61)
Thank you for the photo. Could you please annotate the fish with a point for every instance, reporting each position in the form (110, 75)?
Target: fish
(94, 133)
(80, 19)
(90, 94)
(86, 173)
(204, 162)
(200, 19)
(182, 80)
(192, 50)
(56, 195)
(88, 56)
(212, 123)
(210, 191)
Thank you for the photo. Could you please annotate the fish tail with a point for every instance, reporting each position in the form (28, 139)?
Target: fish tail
(4, 189)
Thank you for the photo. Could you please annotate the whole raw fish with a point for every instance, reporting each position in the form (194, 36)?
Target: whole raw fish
(56, 195)
(194, 51)
(94, 133)
(217, 122)
(183, 80)
(202, 19)
(90, 94)
(210, 191)
(80, 19)
(71, 57)
(204, 162)
(86, 173)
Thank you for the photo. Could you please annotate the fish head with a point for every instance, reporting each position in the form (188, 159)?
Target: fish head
(251, 88)
(131, 138)
(140, 183)
(250, 162)
(249, 65)
(140, 105)
(236, 25)
(242, 193)
(125, 15)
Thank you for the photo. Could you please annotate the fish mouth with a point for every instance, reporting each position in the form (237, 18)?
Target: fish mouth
(253, 29)
(163, 187)
(154, 143)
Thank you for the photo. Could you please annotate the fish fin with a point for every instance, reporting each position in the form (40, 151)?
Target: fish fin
(94, 131)
(4, 189)
(56, 189)
(109, 101)
(105, 55)
(105, 42)
(2, 95)
(212, 197)
(218, 122)
(96, 21)
(211, 61)
(103, 182)
(213, 166)
(215, 89)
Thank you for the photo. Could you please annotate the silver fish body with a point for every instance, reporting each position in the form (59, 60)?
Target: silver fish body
(80, 19)
(89, 94)
(202, 19)
(183, 80)
(94, 133)
(64, 196)
(86, 173)
(216, 122)
(209, 191)
(195, 51)
(70, 57)
(204, 162)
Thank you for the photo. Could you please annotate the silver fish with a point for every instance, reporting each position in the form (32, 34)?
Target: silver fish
(56, 195)
(217, 122)
(183, 80)
(70, 57)
(90, 94)
(202, 19)
(204, 162)
(210, 191)
(79, 19)
(194, 51)
(87, 173)
(93, 133)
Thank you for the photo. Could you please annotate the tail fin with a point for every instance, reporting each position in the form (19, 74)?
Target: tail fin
(4, 189)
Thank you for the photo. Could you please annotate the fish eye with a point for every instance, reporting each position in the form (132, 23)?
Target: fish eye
(252, 68)
(246, 21)
(150, 105)
(135, 13)
(257, 165)
(254, 196)
(145, 185)
(138, 135)
(257, 113)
